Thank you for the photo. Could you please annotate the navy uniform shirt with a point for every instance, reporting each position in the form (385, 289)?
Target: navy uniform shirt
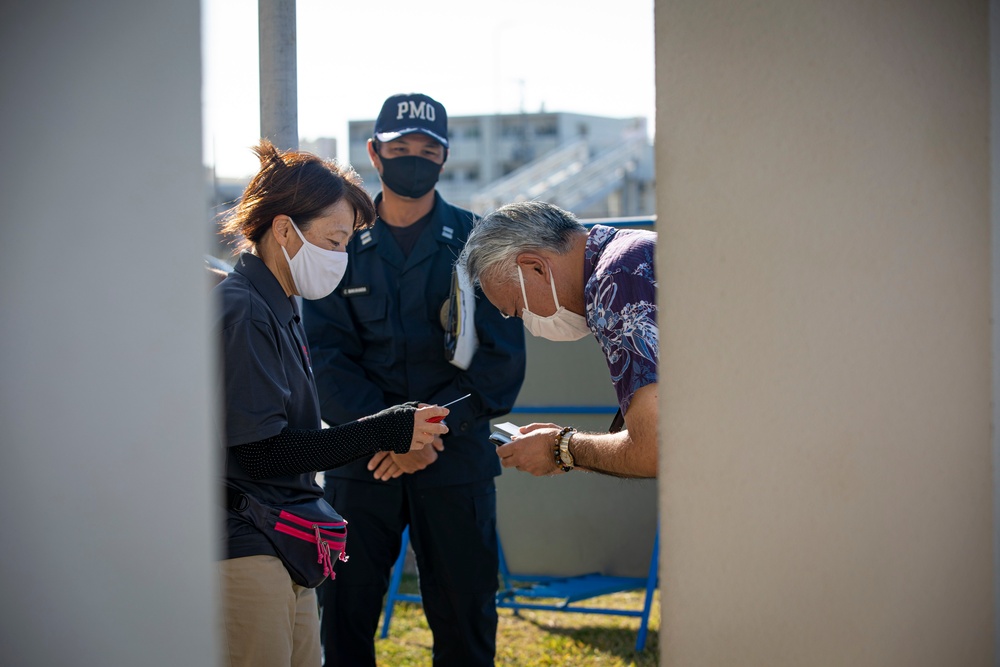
(378, 341)
(268, 385)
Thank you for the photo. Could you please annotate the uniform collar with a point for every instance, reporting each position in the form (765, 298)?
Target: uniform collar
(441, 230)
(255, 270)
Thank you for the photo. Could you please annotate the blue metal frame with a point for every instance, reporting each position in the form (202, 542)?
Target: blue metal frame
(570, 589)
(394, 596)
(581, 587)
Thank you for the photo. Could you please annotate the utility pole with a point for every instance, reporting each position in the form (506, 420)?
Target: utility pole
(279, 108)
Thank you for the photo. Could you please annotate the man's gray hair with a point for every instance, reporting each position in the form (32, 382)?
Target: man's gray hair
(499, 237)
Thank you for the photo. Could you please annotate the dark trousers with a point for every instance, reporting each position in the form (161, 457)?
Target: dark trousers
(453, 534)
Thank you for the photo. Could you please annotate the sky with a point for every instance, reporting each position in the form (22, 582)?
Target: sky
(472, 56)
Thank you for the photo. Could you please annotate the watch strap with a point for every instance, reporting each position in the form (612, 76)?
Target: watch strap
(563, 457)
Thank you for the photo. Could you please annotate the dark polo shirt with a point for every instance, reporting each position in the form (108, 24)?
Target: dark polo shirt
(268, 385)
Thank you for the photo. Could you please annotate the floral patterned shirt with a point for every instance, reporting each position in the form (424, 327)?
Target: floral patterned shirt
(620, 293)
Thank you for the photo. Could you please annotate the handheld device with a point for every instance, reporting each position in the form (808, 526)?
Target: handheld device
(499, 438)
(503, 433)
(434, 420)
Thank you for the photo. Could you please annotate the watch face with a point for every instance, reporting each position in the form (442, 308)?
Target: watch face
(565, 455)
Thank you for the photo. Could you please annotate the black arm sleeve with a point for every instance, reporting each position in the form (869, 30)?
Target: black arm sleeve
(297, 451)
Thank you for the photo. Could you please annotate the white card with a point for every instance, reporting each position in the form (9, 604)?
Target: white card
(508, 428)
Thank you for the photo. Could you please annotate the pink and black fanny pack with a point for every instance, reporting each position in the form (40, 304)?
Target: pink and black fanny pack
(308, 537)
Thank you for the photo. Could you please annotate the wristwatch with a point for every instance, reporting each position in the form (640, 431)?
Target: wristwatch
(564, 458)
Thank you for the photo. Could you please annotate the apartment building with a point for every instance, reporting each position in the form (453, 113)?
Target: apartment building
(594, 166)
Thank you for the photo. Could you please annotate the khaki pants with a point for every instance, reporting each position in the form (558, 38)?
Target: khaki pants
(267, 619)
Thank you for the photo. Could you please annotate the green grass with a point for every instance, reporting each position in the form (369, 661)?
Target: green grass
(535, 638)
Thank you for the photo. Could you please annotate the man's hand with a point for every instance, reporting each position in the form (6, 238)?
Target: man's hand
(413, 461)
(532, 451)
(629, 453)
(389, 465)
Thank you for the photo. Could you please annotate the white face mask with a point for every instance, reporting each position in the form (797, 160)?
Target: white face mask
(316, 271)
(561, 325)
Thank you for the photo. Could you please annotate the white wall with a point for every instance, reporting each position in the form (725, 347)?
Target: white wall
(548, 524)
(106, 476)
(824, 212)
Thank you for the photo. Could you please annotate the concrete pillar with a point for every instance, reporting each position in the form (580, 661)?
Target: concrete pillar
(279, 120)
(995, 248)
(107, 445)
(823, 175)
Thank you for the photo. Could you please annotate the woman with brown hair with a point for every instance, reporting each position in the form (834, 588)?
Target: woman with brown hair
(295, 219)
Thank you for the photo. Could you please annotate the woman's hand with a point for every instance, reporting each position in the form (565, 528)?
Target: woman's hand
(424, 431)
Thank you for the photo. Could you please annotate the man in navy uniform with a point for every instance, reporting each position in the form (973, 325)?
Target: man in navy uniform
(379, 340)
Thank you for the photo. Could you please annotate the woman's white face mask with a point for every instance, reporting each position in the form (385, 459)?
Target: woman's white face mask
(561, 325)
(316, 271)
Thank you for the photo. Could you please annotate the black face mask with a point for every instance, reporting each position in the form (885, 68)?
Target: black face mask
(410, 176)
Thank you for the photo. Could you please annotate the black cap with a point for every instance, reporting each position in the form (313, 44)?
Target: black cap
(412, 112)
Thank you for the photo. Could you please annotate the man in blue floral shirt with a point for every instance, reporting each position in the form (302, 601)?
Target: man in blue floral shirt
(537, 262)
